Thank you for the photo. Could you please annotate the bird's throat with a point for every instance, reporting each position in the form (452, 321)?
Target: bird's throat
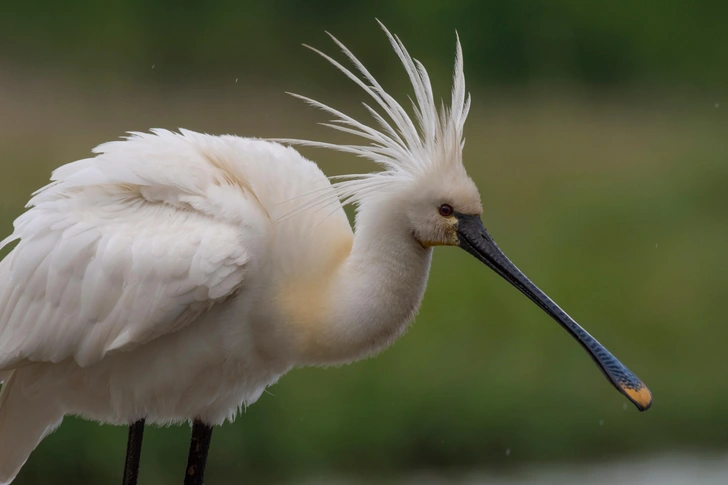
(368, 301)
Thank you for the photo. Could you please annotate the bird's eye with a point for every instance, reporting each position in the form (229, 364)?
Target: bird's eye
(446, 210)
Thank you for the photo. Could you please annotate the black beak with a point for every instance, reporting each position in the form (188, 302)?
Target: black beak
(476, 240)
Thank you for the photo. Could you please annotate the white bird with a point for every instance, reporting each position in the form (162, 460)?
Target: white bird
(172, 277)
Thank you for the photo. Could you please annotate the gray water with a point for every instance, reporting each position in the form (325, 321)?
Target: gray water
(666, 469)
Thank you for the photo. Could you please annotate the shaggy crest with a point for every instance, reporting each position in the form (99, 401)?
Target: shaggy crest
(406, 149)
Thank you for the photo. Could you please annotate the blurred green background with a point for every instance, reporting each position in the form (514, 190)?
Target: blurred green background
(599, 140)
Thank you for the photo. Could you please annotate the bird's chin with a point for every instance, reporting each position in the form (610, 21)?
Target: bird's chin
(431, 244)
(452, 240)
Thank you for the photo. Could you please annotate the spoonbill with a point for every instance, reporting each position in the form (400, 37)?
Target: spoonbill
(173, 276)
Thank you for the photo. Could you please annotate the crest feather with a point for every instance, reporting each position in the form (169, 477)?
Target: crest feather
(404, 148)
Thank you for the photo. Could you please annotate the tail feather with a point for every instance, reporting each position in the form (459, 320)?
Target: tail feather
(23, 424)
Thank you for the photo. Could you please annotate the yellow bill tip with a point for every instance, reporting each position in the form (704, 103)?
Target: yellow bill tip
(640, 396)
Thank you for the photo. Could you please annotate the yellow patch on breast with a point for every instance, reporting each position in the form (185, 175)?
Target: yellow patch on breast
(306, 301)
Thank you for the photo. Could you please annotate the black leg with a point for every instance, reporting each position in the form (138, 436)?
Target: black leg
(199, 446)
(133, 453)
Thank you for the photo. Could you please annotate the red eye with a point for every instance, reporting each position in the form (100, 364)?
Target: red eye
(446, 210)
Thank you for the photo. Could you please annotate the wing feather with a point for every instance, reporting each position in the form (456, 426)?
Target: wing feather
(112, 254)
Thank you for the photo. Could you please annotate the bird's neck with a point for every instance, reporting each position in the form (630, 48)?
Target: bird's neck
(376, 291)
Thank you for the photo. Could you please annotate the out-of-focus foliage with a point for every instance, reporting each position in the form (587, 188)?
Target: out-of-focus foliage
(599, 141)
(513, 41)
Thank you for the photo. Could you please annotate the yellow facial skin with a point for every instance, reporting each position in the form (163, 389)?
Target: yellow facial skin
(451, 235)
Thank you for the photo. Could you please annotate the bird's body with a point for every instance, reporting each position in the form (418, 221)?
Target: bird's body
(173, 276)
(131, 295)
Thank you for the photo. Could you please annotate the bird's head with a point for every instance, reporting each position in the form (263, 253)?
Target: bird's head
(423, 177)
(434, 203)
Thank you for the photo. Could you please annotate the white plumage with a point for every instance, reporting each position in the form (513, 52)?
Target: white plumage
(118, 301)
(173, 276)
